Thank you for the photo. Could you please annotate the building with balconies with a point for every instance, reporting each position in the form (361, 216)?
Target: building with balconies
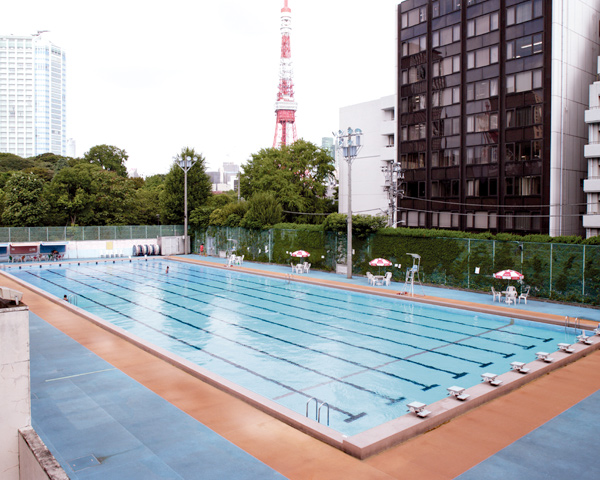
(374, 171)
(591, 185)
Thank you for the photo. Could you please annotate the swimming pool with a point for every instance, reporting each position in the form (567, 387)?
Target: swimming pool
(365, 356)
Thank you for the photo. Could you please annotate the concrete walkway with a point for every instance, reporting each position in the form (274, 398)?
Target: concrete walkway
(101, 424)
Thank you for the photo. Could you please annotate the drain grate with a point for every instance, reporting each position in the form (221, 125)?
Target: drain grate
(83, 463)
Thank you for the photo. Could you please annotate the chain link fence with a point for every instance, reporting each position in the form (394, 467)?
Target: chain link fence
(564, 272)
(68, 234)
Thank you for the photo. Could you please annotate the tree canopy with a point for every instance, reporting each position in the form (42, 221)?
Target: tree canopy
(298, 175)
(198, 185)
(109, 158)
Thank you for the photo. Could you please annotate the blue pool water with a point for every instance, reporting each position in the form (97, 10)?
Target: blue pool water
(364, 355)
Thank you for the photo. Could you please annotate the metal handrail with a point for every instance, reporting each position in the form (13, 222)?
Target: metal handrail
(319, 413)
(316, 406)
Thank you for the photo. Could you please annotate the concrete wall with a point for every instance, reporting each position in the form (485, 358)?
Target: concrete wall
(15, 392)
(35, 460)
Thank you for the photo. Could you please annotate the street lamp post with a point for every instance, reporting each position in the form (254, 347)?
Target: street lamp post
(349, 143)
(185, 163)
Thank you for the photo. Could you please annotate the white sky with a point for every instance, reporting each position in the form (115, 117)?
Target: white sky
(151, 76)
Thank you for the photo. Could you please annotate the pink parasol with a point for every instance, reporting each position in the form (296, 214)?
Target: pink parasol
(380, 262)
(301, 253)
(508, 275)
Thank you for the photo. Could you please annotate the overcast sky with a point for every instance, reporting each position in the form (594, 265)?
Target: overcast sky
(152, 77)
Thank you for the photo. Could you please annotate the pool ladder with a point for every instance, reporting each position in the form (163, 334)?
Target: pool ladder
(569, 323)
(318, 409)
(72, 299)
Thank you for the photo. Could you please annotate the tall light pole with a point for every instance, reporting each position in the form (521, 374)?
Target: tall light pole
(185, 163)
(349, 144)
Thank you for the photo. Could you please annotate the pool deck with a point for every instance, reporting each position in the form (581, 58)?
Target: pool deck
(545, 429)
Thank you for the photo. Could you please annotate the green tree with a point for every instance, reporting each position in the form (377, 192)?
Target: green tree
(109, 158)
(362, 225)
(264, 210)
(298, 175)
(72, 195)
(13, 163)
(24, 201)
(147, 207)
(198, 185)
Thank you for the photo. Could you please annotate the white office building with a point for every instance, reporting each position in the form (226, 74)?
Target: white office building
(32, 96)
(591, 186)
(373, 176)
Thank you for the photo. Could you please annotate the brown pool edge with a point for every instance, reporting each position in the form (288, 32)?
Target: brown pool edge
(372, 441)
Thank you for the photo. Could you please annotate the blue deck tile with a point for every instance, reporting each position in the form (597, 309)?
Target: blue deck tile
(82, 407)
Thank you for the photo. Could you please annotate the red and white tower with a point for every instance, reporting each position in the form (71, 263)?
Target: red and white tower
(285, 107)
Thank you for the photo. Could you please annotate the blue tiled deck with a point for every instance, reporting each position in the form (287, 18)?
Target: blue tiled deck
(101, 424)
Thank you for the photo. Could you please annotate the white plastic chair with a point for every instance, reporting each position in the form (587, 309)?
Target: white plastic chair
(524, 295)
(495, 295)
(306, 267)
(370, 278)
(388, 278)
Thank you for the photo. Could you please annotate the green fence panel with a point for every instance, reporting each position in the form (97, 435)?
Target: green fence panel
(556, 271)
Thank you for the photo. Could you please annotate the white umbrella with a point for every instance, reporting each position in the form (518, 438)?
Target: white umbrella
(300, 253)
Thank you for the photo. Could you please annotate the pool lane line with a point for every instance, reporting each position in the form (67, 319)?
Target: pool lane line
(350, 416)
(391, 400)
(455, 375)
(359, 333)
(504, 342)
(424, 365)
(303, 347)
(278, 287)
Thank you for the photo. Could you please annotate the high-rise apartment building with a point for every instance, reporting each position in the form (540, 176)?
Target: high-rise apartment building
(491, 104)
(32, 96)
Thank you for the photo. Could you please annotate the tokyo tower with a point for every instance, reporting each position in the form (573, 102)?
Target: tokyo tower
(285, 107)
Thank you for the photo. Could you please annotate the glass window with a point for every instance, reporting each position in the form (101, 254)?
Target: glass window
(456, 63)
(482, 57)
(494, 54)
(482, 90)
(510, 16)
(446, 36)
(537, 43)
(435, 39)
(456, 33)
(482, 25)
(537, 79)
(494, 21)
(523, 47)
(493, 87)
(413, 17)
(523, 12)
(523, 81)
(470, 28)
(455, 94)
